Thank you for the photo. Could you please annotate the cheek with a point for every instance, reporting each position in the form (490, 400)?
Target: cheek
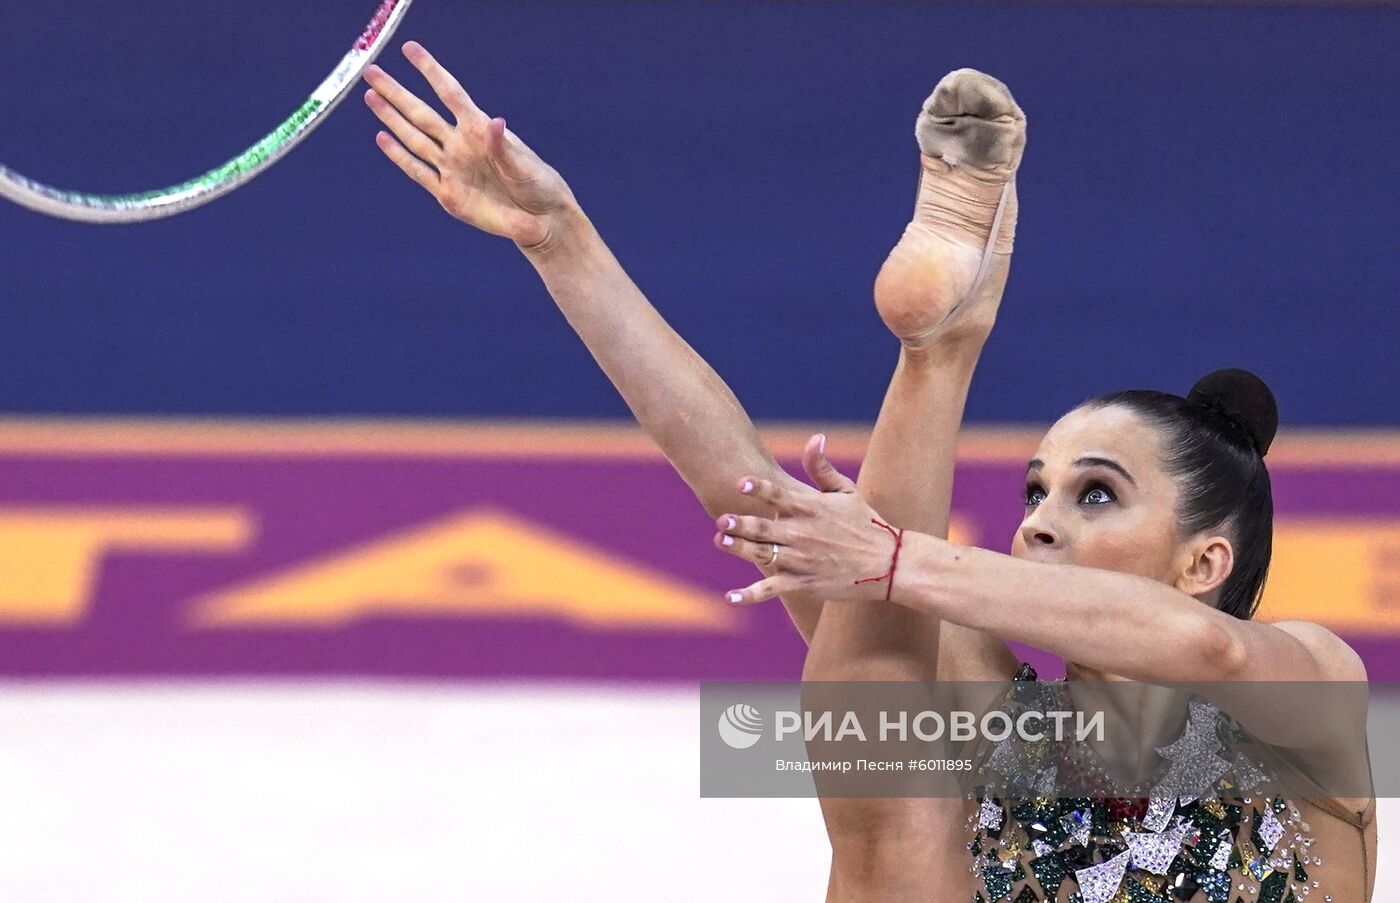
(1145, 547)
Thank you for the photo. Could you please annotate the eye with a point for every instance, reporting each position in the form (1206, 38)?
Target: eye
(1098, 495)
(1034, 495)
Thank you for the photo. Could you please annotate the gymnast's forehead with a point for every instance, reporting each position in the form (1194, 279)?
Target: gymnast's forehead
(1111, 432)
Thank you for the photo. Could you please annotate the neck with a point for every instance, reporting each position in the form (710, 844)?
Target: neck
(1140, 716)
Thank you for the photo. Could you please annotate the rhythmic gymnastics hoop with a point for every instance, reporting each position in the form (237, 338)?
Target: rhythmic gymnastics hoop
(219, 181)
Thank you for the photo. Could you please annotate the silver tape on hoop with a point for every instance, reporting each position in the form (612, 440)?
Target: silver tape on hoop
(217, 182)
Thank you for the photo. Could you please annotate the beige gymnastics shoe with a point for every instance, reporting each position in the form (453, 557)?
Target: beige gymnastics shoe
(948, 267)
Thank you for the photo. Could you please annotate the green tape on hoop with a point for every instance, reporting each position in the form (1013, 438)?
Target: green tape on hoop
(219, 181)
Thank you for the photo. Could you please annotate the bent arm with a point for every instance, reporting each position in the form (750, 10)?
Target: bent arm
(1142, 629)
(1055, 606)
(1119, 624)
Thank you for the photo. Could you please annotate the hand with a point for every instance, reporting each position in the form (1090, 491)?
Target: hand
(825, 540)
(477, 169)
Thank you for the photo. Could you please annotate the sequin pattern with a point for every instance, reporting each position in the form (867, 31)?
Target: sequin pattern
(1231, 842)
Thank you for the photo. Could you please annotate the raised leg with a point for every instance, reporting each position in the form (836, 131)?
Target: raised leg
(938, 292)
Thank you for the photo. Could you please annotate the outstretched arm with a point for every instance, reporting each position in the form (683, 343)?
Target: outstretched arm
(482, 174)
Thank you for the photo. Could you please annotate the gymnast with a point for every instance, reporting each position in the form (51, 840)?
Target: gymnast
(1142, 554)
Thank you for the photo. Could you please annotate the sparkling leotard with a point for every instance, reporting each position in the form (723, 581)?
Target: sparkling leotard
(1242, 841)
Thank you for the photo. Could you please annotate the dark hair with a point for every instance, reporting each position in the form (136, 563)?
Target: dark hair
(1216, 440)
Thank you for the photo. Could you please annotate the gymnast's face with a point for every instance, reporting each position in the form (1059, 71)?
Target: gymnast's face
(1097, 495)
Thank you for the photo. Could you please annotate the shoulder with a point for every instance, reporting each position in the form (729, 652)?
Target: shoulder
(1335, 659)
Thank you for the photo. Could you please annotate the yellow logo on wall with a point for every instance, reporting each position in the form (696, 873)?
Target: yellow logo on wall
(481, 562)
(1344, 574)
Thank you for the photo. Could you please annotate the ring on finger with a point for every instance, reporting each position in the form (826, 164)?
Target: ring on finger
(774, 556)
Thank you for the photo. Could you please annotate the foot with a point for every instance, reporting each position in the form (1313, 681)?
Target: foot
(971, 134)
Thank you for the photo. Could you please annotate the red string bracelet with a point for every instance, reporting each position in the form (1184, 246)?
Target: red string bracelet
(894, 560)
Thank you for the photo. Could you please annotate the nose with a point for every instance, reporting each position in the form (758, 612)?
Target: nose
(1037, 533)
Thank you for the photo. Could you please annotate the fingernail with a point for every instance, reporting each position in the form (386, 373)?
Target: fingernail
(748, 486)
(730, 523)
(821, 444)
(735, 598)
(727, 541)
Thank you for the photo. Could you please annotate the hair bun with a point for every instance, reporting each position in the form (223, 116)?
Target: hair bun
(1243, 398)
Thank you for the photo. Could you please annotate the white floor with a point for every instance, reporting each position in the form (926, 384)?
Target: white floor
(356, 792)
(370, 792)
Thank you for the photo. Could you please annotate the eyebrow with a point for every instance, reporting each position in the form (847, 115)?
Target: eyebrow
(1037, 464)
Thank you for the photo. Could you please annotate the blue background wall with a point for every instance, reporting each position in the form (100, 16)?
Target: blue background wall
(1204, 186)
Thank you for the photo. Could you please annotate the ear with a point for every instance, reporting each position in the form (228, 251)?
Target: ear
(1210, 561)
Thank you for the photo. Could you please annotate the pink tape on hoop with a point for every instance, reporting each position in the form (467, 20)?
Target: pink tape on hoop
(376, 24)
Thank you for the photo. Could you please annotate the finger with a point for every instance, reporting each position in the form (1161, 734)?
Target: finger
(768, 588)
(760, 553)
(406, 102)
(780, 497)
(823, 474)
(513, 157)
(504, 149)
(407, 133)
(414, 168)
(757, 529)
(496, 134)
(445, 84)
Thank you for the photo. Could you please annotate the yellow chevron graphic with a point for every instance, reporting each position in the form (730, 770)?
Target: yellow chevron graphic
(50, 555)
(480, 563)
